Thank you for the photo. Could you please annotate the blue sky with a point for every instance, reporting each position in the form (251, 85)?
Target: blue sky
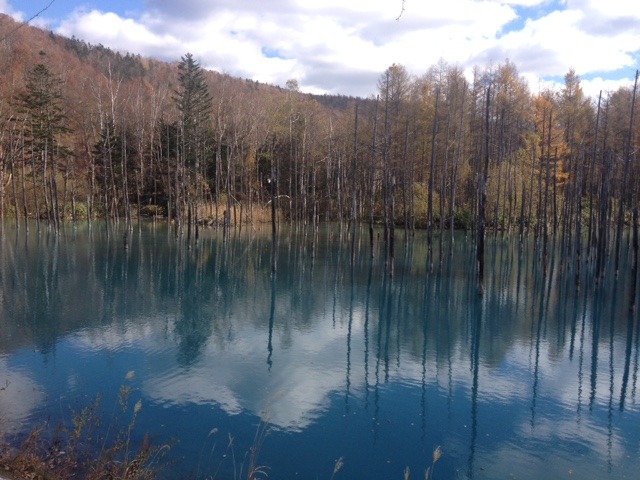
(340, 46)
(59, 9)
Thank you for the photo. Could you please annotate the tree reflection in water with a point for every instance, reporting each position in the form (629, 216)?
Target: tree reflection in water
(536, 375)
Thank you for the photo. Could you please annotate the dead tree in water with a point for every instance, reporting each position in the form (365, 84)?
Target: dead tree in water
(578, 233)
(603, 217)
(545, 219)
(386, 167)
(483, 199)
(372, 191)
(634, 264)
(434, 131)
(625, 177)
(273, 189)
(353, 185)
(592, 169)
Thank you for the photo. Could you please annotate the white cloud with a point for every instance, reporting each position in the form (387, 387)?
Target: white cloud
(606, 8)
(313, 40)
(592, 87)
(7, 9)
(523, 3)
(115, 32)
(552, 44)
(19, 396)
(559, 43)
(343, 47)
(236, 377)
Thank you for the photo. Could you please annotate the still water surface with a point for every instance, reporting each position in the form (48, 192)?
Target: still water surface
(335, 360)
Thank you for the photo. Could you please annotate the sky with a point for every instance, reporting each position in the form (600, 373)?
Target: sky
(344, 46)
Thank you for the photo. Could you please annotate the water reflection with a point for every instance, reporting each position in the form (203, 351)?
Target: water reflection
(341, 358)
(19, 395)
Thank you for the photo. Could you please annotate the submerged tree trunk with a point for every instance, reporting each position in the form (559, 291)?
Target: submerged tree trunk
(625, 177)
(274, 228)
(592, 169)
(372, 190)
(454, 175)
(353, 186)
(432, 168)
(603, 218)
(634, 264)
(545, 219)
(483, 199)
(578, 232)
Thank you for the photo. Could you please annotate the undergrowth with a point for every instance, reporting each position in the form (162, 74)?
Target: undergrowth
(68, 450)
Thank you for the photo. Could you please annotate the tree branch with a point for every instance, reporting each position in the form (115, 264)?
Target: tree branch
(32, 18)
(401, 10)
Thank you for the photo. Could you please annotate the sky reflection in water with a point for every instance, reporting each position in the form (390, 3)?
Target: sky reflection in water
(340, 360)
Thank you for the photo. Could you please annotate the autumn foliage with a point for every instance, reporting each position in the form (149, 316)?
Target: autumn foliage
(87, 132)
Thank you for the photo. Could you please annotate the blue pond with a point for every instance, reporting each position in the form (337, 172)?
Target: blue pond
(332, 358)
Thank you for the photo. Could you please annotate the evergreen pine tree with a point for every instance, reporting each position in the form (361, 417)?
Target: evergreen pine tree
(194, 103)
(45, 122)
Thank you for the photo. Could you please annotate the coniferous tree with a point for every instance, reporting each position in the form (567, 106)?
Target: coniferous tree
(194, 105)
(41, 103)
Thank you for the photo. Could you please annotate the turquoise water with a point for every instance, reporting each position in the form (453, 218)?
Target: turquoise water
(329, 359)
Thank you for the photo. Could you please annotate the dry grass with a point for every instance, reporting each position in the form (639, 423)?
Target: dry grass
(246, 214)
(428, 474)
(249, 468)
(68, 451)
(337, 467)
(437, 453)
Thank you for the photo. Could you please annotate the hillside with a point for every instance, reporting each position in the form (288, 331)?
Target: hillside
(87, 132)
(24, 46)
(101, 86)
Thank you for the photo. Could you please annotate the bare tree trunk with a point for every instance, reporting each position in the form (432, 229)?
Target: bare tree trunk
(545, 221)
(500, 162)
(274, 230)
(372, 191)
(578, 232)
(46, 187)
(353, 185)
(170, 192)
(625, 178)
(35, 187)
(634, 264)
(25, 208)
(443, 183)
(125, 179)
(14, 187)
(510, 194)
(405, 166)
(523, 199)
(454, 176)
(55, 203)
(218, 175)
(531, 188)
(65, 194)
(385, 169)
(592, 169)
(483, 199)
(432, 168)
(603, 221)
(555, 185)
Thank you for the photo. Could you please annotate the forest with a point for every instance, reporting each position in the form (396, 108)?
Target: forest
(88, 133)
